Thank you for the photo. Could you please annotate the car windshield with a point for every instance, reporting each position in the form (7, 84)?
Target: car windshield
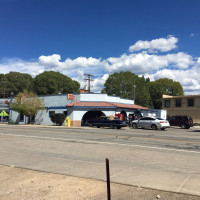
(188, 118)
(159, 118)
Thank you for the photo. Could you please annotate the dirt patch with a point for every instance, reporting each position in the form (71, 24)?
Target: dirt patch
(23, 184)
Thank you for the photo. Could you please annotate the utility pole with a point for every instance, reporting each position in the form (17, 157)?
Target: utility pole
(89, 80)
(134, 92)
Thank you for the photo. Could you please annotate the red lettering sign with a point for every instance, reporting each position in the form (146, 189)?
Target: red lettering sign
(70, 97)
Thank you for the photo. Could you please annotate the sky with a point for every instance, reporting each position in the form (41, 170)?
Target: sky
(151, 38)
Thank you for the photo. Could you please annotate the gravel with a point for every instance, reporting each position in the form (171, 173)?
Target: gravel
(23, 184)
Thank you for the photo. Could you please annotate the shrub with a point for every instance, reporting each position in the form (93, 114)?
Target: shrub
(58, 118)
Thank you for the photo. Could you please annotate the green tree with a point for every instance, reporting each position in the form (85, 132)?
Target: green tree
(15, 82)
(3, 86)
(122, 85)
(163, 86)
(27, 103)
(50, 82)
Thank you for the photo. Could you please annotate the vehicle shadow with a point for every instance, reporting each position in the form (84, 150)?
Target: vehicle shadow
(198, 131)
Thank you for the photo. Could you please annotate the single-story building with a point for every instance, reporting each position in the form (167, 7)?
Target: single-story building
(78, 108)
(92, 105)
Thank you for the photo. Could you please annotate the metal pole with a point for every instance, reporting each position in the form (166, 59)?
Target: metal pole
(108, 179)
(10, 106)
(134, 93)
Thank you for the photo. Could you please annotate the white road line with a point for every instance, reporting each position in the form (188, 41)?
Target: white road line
(180, 187)
(122, 172)
(97, 142)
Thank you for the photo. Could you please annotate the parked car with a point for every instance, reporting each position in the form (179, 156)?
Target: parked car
(182, 121)
(150, 122)
(106, 121)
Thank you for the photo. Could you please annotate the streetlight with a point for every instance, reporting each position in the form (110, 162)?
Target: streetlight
(10, 105)
(134, 92)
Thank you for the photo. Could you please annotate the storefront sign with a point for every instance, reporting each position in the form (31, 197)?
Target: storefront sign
(70, 97)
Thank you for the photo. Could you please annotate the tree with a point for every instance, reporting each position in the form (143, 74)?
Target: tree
(50, 82)
(15, 82)
(122, 85)
(163, 86)
(27, 103)
(3, 86)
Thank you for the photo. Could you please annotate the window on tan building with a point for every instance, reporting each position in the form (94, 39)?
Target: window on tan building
(167, 103)
(178, 103)
(190, 102)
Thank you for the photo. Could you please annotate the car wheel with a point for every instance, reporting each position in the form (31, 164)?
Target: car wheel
(118, 127)
(154, 127)
(134, 125)
(183, 126)
(98, 126)
(162, 129)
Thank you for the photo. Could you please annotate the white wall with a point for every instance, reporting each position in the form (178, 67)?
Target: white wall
(42, 117)
(92, 97)
(103, 98)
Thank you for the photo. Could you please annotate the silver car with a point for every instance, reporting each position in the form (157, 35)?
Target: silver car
(151, 122)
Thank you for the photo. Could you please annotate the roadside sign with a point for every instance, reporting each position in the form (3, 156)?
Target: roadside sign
(4, 114)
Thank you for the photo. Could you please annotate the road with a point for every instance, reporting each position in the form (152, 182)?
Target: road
(167, 160)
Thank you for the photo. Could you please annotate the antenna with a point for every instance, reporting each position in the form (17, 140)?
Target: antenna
(89, 80)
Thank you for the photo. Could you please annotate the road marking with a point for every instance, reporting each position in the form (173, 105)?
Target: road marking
(180, 187)
(121, 172)
(98, 142)
(123, 136)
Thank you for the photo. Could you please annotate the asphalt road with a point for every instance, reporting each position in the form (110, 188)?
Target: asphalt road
(167, 160)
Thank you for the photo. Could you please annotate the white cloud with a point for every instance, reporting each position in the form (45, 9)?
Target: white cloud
(180, 60)
(189, 78)
(70, 67)
(19, 65)
(53, 61)
(161, 44)
(98, 83)
(178, 66)
(193, 35)
(147, 63)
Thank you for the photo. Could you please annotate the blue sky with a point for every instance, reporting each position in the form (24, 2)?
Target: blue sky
(154, 38)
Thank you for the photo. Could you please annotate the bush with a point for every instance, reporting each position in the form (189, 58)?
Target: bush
(58, 118)
(11, 122)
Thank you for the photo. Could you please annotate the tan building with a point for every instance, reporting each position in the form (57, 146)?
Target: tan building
(182, 105)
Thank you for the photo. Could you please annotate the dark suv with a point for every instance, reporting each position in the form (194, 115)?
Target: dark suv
(182, 121)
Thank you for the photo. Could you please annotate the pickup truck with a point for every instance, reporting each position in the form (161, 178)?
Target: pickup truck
(106, 121)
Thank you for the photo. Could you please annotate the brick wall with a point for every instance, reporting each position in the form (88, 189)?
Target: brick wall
(76, 123)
